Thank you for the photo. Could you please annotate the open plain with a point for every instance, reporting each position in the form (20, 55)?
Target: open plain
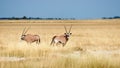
(93, 44)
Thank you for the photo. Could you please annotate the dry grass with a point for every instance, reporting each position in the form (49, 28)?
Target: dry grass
(93, 44)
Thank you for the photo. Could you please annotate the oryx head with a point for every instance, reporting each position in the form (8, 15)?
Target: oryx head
(68, 33)
(24, 33)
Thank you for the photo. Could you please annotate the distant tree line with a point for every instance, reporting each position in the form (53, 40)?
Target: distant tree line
(38, 18)
(34, 18)
(115, 17)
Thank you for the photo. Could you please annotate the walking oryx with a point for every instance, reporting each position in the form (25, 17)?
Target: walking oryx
(29, 38)
(62, 39)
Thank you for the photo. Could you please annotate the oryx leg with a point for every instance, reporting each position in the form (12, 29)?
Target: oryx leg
(63, 44)
(37, 42)
(57, 43)
(53, 43)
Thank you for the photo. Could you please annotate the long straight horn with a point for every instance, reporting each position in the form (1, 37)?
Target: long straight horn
(23, 31)
(26, 30)
(70, 28)
(65, 29)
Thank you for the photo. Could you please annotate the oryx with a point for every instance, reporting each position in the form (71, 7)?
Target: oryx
(29, 38)
(61, 39)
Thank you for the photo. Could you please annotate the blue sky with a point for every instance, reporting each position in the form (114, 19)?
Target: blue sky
(80, 9)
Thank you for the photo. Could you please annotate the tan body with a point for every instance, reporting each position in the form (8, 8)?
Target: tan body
(62, 39)
(29, 38)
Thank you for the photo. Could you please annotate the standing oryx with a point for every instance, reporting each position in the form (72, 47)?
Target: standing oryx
(62, 39)
(29, 38)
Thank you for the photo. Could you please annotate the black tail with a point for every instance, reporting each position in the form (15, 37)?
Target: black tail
(52, 40)
(39, 41)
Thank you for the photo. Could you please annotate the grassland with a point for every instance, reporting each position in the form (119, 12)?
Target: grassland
(93, 44)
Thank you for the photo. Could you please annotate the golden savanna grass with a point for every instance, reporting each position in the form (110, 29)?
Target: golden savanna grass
(93, 44)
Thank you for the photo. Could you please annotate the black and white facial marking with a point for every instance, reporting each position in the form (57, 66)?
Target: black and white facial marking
(68, 32)
(22, 37)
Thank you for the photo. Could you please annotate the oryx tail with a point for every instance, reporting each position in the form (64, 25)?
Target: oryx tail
(52, 40)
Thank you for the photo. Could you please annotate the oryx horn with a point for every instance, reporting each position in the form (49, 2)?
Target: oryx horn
(65, 28)
(70, 28)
